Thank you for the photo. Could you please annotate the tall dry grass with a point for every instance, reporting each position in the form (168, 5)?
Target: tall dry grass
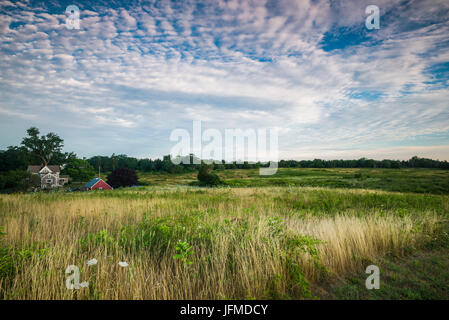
(239, 251)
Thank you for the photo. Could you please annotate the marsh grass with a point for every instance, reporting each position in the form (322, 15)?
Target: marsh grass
(245, 243)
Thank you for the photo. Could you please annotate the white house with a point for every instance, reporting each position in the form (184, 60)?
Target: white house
(49, 176)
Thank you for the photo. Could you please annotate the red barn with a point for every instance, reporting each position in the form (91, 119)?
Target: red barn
(97, 184)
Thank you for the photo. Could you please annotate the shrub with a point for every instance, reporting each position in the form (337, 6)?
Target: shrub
(208, 178)
(184, 251)
(122, 177)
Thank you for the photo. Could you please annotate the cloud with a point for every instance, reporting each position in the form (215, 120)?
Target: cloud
(440, 152)
(126, 22)
(309, 67)
(14, 113)
(102, 120)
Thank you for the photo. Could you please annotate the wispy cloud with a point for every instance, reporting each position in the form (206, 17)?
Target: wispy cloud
(310, 67)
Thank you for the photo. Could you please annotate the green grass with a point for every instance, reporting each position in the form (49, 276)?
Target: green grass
(431, 181)
(398, 180)
(421, 276)
(302, 233)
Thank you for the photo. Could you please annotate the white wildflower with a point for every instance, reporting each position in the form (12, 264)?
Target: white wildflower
(92, 262)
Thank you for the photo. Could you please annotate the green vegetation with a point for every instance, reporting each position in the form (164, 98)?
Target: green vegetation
(423, 275)
(390, 175)
(184, 251)
(44, 148)
(270, 242)
(18, 181)
(432, 181)
(208, 178)
(122, 177)
(222, 231)
(78, 170)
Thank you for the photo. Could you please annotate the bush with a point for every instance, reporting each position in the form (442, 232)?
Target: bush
(208, 178)
(122, 177)
(16, 180)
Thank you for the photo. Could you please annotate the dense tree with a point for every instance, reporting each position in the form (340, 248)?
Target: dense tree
(14, 158)
(146, 165)
(45, 148)
(122, 177)
(103, 163)
(17, 180)
(79, 170)
(414, 162)
(123, 161)
(166, 165)
(34, 150)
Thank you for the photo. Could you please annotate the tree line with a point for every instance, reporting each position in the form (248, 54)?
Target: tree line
(188, 163)
(38, 149)
(414, 162)
(106, 163)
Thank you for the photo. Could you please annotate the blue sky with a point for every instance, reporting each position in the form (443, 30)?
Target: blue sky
(136, 70)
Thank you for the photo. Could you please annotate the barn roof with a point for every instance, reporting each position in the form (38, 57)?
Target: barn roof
(92, 182)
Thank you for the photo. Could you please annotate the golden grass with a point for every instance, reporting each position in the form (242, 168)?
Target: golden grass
(234, 264)
(350, 241)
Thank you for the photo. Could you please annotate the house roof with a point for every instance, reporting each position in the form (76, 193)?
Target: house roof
(36, 169)
(54, 168)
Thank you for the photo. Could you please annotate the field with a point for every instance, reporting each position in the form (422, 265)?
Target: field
(400, 180)
(300, 234)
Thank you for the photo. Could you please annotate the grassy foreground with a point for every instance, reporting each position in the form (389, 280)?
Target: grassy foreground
(223, 243)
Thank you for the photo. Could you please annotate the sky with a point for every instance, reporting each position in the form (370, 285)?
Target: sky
(137, 70)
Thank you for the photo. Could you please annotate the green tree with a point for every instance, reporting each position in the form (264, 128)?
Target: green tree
(16, 180)
(79, 170)
(45, 147)
(114, 161)
(14, 158)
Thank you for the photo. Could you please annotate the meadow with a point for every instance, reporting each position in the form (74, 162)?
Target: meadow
(300, 234)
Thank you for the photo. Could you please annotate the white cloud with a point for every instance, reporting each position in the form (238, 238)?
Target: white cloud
(236, 64)
(126, 21)
(15, 113)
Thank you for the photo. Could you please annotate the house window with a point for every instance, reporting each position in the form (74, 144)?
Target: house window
(48, 180)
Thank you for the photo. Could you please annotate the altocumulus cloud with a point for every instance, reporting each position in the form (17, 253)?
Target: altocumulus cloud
(139, 70)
